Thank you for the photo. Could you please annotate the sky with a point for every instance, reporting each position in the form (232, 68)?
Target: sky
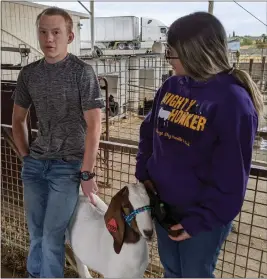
(233, 17)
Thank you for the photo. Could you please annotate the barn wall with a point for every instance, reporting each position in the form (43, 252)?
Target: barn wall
(18, 27)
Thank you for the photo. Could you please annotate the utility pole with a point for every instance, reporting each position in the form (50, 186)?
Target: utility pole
(92, 22)
(211, 6)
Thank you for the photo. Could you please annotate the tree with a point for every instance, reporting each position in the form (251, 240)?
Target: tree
(246, 42)
(262, 43)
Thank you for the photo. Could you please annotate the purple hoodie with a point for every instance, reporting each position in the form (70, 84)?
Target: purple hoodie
(196, 146)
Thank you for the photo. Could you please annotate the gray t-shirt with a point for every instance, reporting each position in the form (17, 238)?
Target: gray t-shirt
(60, 93)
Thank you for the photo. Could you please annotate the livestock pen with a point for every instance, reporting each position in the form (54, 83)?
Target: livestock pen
(132, 82)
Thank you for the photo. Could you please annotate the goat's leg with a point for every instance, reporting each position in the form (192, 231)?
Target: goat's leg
(82, 269)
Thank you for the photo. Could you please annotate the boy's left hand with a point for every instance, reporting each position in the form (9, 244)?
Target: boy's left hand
(183, 236)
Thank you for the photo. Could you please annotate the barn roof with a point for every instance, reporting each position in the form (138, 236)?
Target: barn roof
(37, 5)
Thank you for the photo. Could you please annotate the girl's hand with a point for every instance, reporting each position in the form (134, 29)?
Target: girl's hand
(149, 186)
(183, 236)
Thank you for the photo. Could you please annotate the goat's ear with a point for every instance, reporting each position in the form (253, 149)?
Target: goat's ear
(114, 220)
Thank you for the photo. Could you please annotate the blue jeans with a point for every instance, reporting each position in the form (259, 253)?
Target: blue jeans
(51, 189)
(192, 258)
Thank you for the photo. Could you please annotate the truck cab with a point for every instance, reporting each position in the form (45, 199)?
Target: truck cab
(153, 30)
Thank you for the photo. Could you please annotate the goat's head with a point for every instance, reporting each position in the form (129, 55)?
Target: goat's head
(128, 216)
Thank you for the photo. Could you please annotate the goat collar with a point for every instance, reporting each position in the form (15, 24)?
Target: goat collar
(128, 218)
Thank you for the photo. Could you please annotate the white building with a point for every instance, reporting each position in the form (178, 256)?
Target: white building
(18, 28)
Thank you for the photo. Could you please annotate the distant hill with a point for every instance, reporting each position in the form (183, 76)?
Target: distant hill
(250, 41)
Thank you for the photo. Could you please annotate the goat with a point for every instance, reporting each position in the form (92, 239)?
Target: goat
(112, 240)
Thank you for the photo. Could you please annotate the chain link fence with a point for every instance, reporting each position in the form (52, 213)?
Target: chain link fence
(132, 84)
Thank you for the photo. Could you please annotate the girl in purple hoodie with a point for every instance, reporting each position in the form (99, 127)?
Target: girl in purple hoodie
(196, 144)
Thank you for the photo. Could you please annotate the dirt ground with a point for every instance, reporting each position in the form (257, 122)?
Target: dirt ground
(13, 264)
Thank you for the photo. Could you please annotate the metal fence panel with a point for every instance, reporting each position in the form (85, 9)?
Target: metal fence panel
(243, 254)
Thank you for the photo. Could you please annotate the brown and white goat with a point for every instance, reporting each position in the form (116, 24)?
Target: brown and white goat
(121, 251)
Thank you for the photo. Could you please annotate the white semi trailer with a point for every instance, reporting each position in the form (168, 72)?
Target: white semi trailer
(122, 32)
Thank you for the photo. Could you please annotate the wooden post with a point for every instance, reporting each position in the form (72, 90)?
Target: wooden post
(250, 66)
(262, 72)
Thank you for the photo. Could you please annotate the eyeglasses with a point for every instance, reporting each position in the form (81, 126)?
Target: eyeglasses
(168, 54)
